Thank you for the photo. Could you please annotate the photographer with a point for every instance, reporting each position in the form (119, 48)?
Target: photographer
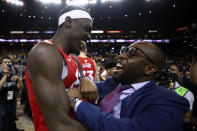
(182, 91)
(9, 82)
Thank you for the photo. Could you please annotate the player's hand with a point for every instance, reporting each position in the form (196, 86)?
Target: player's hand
(89, 90)
(15, 78)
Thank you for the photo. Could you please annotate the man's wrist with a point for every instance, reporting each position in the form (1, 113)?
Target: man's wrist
(73, 102)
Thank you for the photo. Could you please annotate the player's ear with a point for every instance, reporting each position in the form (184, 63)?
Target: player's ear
(68, 22)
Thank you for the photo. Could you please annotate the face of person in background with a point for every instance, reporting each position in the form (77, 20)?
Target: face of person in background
(5, 62)
(174, 73)
(174, 69)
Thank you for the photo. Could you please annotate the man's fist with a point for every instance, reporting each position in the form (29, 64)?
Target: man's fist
(89, 90)
(74, 92)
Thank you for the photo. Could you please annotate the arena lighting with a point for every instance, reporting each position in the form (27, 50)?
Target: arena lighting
(50, 1)
(114, 31)
(152, 31)
(121, 41)
(49, 32)
(80, 2)
(133, 32)
(92, 40)
(97, 31)
(16, 32)
(32, 32)
(15, 2)
(105, 1)
(182, 28)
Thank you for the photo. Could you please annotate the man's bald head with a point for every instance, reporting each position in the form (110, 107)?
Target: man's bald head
(153, 51)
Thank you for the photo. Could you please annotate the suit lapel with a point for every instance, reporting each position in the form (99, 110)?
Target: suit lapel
(129, 104)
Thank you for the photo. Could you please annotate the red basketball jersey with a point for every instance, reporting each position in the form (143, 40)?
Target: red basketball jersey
(88, 67)
(70, 77)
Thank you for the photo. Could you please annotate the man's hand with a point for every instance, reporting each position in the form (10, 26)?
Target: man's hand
(72, 93)
(15, 78)
(89, 90)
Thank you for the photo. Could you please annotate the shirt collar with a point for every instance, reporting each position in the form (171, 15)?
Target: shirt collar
(135, 86)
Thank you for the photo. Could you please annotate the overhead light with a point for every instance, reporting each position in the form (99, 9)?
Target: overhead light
(105, 1)
(16, 32)
(50, 1)
(114, 31)
(97, 31)
(152, 31)
(32, 32)
(80, 2)
(15, 2)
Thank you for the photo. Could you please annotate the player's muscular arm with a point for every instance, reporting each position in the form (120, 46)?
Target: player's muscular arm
(45, 69)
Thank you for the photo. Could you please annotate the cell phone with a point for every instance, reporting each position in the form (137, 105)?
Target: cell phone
(9, 66)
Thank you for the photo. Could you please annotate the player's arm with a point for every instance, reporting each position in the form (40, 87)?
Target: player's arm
(45, 68)
(96, 75)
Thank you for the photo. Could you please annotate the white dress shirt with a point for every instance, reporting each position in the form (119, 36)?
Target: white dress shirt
(117, 108)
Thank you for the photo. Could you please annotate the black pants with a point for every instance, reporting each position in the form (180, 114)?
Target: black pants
(2, 116)
(8, 119)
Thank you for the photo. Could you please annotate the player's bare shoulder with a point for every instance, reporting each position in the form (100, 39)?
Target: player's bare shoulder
(42, 54)
(42, 48)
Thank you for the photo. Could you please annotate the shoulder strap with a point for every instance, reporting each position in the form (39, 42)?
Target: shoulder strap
(79, 65)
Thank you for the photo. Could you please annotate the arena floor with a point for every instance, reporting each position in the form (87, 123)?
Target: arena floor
(23, 121)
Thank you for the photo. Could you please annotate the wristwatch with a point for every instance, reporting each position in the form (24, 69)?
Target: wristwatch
(74, 100)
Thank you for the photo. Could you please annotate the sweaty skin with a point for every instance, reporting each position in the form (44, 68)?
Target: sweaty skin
(44, 67)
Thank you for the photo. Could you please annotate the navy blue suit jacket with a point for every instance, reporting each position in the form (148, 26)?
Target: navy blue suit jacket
(151, 108)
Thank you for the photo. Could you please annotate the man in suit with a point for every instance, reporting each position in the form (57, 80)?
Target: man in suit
(130, 100)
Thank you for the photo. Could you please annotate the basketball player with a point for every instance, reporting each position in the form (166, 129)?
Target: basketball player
(88, 64)
(51, 70)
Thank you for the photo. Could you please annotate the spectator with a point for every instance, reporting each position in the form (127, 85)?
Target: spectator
(9, 82)
(182, 91)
